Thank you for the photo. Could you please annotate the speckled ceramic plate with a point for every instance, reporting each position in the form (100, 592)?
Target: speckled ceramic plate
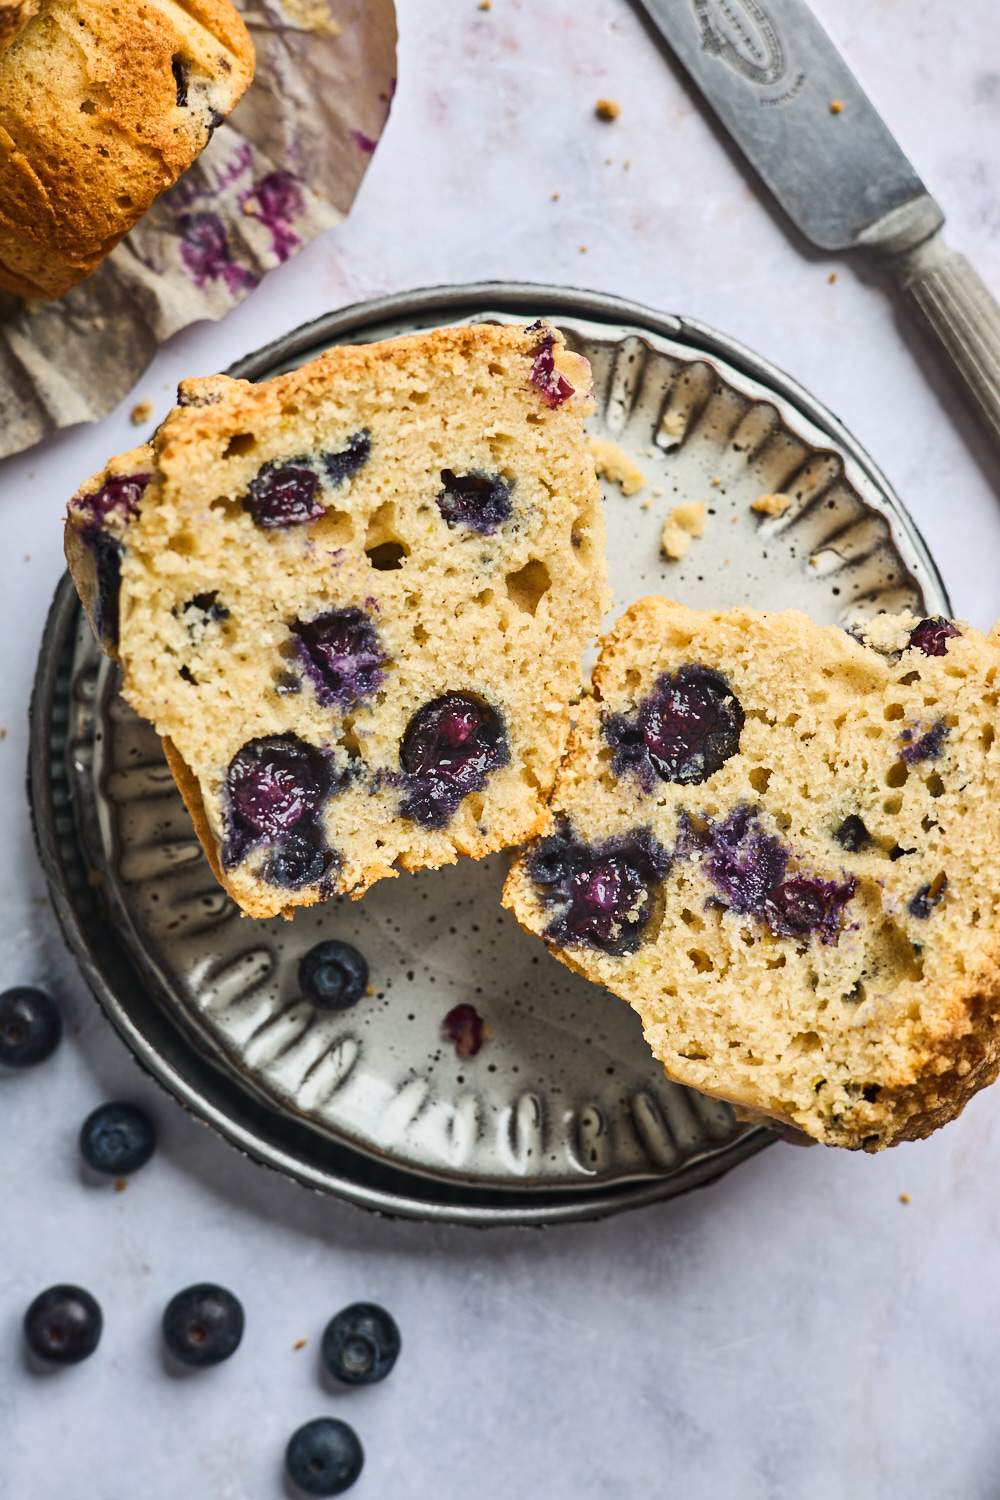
(563, 1113)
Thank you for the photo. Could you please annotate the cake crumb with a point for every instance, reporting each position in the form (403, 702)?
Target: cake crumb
(836, 106)
(657, 490)
(607, 109)
(672, 427)
(684, 523)
(483, 5)
(121, 1183)
(904, 1197)
(301, 1343)
(647, 503)
(716, 482)
(832, 277)
(583, 249)
(615, 465)
(555, 197)
(3, 734)
(770, 505)
(141, 412)
(315, 15)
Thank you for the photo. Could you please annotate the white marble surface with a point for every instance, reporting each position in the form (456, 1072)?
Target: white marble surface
(794, 1330)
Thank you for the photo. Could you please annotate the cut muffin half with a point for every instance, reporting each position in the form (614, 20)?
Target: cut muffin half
(353, 602)
(780, 843)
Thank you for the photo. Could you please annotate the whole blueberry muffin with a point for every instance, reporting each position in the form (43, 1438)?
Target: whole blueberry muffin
(780, 843)
(353, 601)
(103, 105)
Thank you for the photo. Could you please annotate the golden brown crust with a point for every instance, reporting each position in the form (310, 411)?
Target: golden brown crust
(14, 16)
(91, 127)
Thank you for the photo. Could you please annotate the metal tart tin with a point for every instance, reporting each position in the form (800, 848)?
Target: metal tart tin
(563, 1114)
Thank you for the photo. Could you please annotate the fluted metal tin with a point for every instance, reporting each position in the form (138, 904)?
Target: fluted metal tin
(563, 1114)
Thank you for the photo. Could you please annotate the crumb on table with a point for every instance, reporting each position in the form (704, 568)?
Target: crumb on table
(613, 464)
(904, 1197)
(608, 109)
(141, 412)
(771, 505)
(836, 106)
(684, 523)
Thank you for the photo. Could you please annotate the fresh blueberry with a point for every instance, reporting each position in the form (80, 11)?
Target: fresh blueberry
(341, 655)
(449, 748)
(351, 458)
(931, 636)
(852, 834)
(324, 1457)
(203, 1325)
(361, 1344)
(685, 730)
(927, 747)
(479, 501)
(464, 1026)
(333, 975)
(273, 785)
(554, 388)
(63, 1325)
(604, 894)
(284, 494)
(117, 1139)
(30, 1027)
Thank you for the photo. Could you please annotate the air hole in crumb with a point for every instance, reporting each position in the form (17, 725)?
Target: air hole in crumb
(633, 677)
(892, 806)
(893, 711)
(386, 556)
(987, 737)
(226, 506)
(935, 785)
(124, 201)
(334, 527)
(703, 964)
(897, 774)
(909, 679)
(759, 777)
(528, 586)
(88, 107)
(421, 635)
(240, 444)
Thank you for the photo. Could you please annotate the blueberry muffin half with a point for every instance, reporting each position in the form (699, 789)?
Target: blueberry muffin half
(103, 104)
(353, 601)
(780, 843)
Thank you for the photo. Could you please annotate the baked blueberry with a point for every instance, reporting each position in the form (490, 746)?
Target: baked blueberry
(333, 975)
(685, 729)
(361, 1344)
(605, 894)
(479, 501)
(30, 1027)
(299, 858)
(554, 388)
(283, 494)
(464, 1026)
(324, 1457)
(932, 636)
(203, 1325)
(915, 748)
(117, 1139)
(927, 897)
(273, 785)
(349, 459)
(342, 656)
(852, 834)
(63, 1325)
(449, 748)
(180, 72)
(118, 497)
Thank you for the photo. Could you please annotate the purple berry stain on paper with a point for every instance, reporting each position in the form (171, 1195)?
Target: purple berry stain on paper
(275, 201)
(363, 142)
(205, 253)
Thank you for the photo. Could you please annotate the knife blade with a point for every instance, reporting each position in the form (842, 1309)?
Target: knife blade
(789, 99)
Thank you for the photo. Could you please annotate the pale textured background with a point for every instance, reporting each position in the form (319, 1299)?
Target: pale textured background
(794, 1330)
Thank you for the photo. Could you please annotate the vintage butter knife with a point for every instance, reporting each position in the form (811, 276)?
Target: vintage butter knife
(783, 91)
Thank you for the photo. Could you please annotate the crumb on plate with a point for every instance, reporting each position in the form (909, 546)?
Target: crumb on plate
(771, 505)
(684, 523)
(141, 412)
(613, 464)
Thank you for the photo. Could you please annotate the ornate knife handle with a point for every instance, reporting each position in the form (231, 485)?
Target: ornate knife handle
(952, 305)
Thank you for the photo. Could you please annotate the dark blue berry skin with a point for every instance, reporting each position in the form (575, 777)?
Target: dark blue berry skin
(927, 897)
(932, 636)
(684, 731)
(342, 656)
(299, 858)
(361, 1344)
(63, 1325)
(604, 893)
(479, 501)
(333, 975)
(203, 1325)
(108, 553)
(275, 790)
(449, 748)
(852, 834)
(342, 465)
(324, 1457)
(284, 494)
(117, 1139)
(30, 1027)
(927, 747)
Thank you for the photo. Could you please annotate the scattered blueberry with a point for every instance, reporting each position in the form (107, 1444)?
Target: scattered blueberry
(63, 1325)
(685, 730)
(554, 388)
(333, 975)
(341, 655)
(361, 1344)
(479, 501)
(931, 636)
(353, 456)
(927, 747)
(284, 494)
(449, 748)
(30, 1027)
(117, 1139)
(275, 786)
(464, 1026)
(203, 1325)
(604, 894)
(927, 897)
(324, 1457)
(852, 834)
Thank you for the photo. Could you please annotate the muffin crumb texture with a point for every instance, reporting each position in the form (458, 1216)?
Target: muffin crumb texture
(353, 602)
(779, 841)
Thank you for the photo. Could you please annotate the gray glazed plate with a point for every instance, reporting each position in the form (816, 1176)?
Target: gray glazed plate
(563, 1114)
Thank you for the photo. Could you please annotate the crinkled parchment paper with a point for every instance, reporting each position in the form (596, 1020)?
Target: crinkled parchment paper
(284, 167)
